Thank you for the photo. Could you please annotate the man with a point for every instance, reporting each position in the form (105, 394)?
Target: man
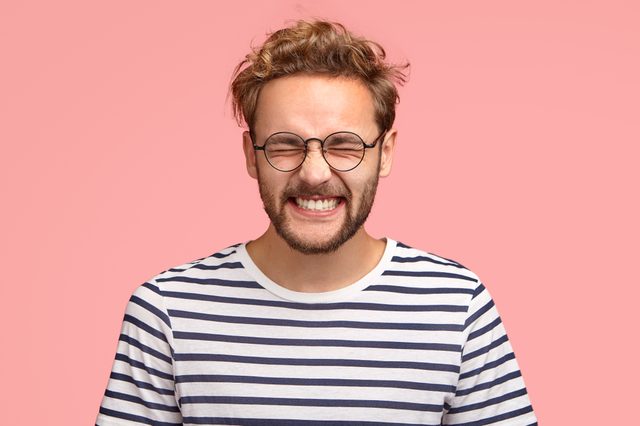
(315, 321)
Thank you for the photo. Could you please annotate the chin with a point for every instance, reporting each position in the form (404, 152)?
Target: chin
(315, 247)
(316, 243)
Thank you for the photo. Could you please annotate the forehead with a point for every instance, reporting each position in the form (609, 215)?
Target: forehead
(314, 105)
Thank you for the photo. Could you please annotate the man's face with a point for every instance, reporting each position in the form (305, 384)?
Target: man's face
(314, 208)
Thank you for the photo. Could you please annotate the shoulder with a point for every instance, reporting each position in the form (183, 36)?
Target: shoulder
(410, 261)
(421, 272)
(196, 271)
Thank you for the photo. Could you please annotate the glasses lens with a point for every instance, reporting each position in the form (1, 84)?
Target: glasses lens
(344, 150)
(284, 151)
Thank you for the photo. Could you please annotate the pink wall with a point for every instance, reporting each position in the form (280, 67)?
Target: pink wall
(517, 156)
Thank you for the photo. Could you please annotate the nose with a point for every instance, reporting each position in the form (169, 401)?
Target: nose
(314, 170)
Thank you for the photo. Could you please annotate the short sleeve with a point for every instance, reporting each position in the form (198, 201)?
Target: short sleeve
(141, 388)
(490, 387)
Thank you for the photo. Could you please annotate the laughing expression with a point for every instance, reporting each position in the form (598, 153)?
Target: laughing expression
(317, 220)
(315, 209)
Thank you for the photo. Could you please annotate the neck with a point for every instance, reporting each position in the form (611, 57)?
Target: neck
(315, 273)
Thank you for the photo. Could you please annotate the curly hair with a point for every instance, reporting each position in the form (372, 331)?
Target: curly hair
(317, 47)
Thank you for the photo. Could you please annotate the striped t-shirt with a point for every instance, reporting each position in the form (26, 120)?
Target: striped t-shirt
(417, 341)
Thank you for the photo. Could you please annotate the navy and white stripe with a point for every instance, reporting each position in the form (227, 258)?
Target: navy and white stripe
(418, 341)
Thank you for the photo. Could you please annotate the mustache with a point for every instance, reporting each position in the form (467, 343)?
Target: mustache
(302, 189)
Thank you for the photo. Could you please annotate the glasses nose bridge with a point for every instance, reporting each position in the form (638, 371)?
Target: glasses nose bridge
(306, 143)
(307, 151)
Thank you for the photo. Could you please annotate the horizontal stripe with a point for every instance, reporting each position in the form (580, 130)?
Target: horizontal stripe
(219, 255)
(479, 290)
(154, 288)
(479, 332)
(146, 327)
(299, 402)
(139, 384)
(497, 418)
(488, 402)
(294, 381)
(317, 362)
(149, 307)
(290, 422)
(185, 335)
(186, 266)
(143, 366)
(419, 290)
(488, 366)
(485, 349)
(144, 348)
(402, 245)
(316, 306)
(428, 274)
(137, 400)
(227, 265)
(415, 259)
(314, 324)
(134, 418)
(222, 255)
(479, 313)
(212, 281)
(489, 385)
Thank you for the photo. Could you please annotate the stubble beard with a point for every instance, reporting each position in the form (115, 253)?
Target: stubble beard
(352, 223)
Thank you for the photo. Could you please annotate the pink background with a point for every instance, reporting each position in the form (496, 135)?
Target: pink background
(517, 156)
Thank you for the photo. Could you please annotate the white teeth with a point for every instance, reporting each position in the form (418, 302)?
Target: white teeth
(317, 205)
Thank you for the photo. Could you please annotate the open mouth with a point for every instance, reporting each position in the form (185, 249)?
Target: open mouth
(317, 204)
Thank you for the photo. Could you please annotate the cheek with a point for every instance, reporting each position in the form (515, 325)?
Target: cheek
(363, 175)
(272, 184)
(356, 186)
(362, 186)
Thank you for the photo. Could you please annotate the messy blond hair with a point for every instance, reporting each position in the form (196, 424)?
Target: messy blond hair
(317, 47)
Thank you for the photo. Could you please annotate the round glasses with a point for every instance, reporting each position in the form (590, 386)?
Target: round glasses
(343, 151)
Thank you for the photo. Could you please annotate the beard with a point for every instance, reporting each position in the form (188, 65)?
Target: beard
(352, 223)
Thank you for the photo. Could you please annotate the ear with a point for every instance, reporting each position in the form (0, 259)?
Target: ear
(249, 155)
(386, 152)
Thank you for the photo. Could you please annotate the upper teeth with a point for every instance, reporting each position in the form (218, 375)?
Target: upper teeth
(319, 205)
